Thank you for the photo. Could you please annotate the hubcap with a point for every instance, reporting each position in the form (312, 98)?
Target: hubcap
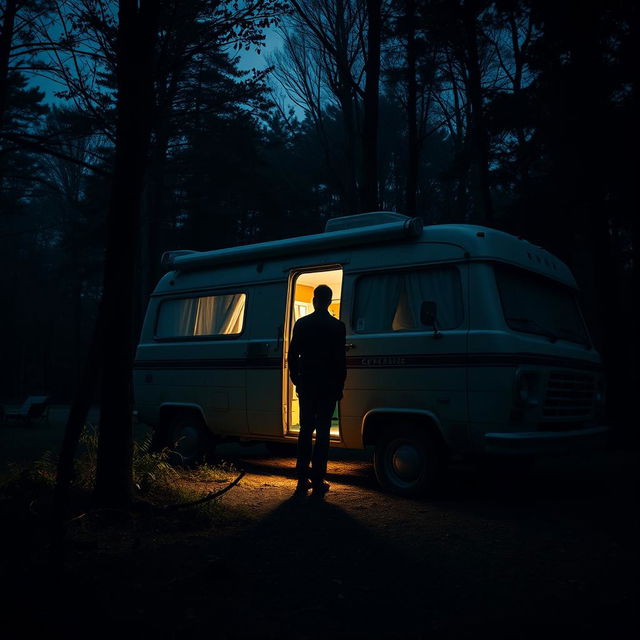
(406, 462)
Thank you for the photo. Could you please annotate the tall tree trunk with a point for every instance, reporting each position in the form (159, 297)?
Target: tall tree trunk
(412, 111)
(154, 197)
(76, 292)
(151, 223)
(634, 37)
(479, 138)
(347, 106)
(634, 290)
(518, 68)
(588, 181)
(459, 134)
(6, 38)
(370, 103)
(558, 214)
(522, 153)
(350, 179)
(85, 389)
(136, 37)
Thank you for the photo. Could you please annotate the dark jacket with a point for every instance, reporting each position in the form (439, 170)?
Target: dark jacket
(317, 359)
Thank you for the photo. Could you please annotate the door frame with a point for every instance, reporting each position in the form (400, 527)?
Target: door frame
(287, 387)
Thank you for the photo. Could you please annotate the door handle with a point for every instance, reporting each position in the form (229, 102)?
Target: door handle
(349, 346)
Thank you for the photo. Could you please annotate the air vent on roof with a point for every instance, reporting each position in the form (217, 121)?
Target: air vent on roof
(364, 220)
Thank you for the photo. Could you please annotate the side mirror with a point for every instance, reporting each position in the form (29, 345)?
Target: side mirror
(429, 313)
(429, 316)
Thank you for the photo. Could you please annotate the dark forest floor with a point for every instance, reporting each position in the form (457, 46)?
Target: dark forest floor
(550, 551)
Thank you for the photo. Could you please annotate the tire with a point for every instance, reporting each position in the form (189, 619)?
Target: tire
(188, 440)
(408, 461)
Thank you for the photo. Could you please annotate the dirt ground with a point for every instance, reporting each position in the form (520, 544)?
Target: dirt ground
(550, 550)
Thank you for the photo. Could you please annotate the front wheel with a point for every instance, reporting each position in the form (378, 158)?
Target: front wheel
(189, 441)
(408, 461)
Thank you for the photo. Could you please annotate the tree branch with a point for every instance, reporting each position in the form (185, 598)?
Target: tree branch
(34, 144)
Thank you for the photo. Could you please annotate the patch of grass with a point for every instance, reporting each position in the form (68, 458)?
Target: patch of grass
(156, 483)
(209, 473)
(39, 474)
(97, 540)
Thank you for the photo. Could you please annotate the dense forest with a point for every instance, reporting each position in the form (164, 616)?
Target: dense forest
(513, 114)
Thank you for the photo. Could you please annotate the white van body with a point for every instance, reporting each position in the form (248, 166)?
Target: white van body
(508, 369)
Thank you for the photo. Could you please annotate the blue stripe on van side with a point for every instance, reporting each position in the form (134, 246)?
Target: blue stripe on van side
(468, 360)
(384, 362)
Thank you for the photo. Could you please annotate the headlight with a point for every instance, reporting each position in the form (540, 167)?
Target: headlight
(523, 389)
(600, 400)
(526, 389)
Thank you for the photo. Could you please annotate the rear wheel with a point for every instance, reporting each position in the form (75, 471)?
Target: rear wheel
(188, 440)
(408, 461)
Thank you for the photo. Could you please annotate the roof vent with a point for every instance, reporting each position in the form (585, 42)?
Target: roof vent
(364, 220)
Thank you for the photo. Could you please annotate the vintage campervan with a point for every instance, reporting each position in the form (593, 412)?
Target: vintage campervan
(461, 340)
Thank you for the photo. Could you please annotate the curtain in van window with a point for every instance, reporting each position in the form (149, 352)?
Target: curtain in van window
(219, 315)
(377, 301)
(234, 317)
(392, 301)
(404, 318)
(205, 316)
(442, 285)
(177, 317)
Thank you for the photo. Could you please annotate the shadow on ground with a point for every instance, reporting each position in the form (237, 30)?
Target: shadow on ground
(511, 553)
(551, 553)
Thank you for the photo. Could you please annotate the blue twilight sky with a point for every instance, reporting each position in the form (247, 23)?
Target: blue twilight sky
(248, 60)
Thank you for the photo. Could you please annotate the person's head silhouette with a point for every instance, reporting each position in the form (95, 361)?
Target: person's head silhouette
(322, 296)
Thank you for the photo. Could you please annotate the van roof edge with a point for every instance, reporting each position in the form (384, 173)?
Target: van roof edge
(405, 228)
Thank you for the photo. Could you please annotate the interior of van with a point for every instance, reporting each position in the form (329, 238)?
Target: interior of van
(300, 305)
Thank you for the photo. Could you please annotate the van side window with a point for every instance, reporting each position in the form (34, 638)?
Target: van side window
(533, 303)
(391, 301)
(203, 316)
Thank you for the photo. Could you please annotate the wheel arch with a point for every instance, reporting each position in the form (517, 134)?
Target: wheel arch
(169, 410)
(375, 421)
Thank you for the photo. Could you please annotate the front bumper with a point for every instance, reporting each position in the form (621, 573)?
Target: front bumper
(537, 442)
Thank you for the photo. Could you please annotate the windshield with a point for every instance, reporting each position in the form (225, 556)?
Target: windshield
(535, 304)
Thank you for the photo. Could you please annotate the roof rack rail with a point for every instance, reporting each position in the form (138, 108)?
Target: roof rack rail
(402, 228)
(363, 220)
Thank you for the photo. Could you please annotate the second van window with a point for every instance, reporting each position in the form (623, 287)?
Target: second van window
(391, 301)
(202, 316)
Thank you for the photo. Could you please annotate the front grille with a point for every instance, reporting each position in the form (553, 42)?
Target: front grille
(569, 395)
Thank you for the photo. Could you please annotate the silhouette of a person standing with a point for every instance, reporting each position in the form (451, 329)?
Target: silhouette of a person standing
(317, 367)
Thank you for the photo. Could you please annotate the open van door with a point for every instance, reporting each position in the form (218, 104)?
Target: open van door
(301, 285)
